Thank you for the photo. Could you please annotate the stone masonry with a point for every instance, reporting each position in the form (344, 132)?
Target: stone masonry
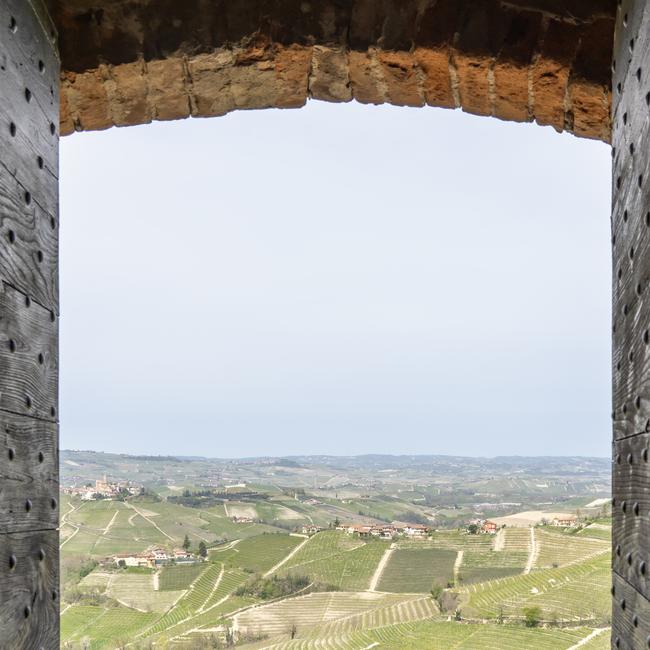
(127, 62)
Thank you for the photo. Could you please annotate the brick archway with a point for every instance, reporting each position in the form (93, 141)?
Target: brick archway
(127, 63)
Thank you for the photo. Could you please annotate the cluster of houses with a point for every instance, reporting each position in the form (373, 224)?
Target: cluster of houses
(242, 520)
(155, 557)
(561, 520)
(386, 531)
(103, 489)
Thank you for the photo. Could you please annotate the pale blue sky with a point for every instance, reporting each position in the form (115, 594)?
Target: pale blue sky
(340, 279)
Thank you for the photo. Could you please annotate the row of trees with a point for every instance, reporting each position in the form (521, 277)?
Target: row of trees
(202, 549)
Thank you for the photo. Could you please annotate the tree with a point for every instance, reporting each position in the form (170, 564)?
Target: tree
(436, 594)
(532, 616)
(187, 543)
(203, 549)
(337, 523)
(472, 529)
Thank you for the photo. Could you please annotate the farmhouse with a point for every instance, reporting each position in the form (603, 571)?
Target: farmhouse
(361, 531)
(416, 530)
(567, 521)
(490, 527)
(181, 556)
(133, 559)
(310, 529)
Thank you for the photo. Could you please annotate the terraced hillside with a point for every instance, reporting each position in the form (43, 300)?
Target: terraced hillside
(258, 554)
(415, 570)
(439, 635)
(348, 609)
(574, 592)
(335, 558)
(559, 549)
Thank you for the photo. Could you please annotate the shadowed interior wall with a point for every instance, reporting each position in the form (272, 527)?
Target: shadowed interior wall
(29, 221)
(631, 326)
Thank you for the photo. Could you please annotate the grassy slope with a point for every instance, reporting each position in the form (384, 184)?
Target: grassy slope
(417, 570)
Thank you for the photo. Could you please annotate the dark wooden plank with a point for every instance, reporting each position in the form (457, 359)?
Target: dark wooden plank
(29, 244)
(29, 486)
(631, 230)
(29, 590)
(631, 327)
(33, 38)
(630, 616)
(631, 511)
(629, 26)
(28, 356)
(29, 105)
(29, 616)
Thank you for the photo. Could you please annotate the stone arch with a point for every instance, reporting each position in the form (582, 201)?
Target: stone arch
(126, 63)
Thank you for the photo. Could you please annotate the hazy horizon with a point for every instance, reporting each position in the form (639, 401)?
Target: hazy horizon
(290, 456)
(333, 280)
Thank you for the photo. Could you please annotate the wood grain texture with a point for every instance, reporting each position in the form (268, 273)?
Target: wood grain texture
(29, 246)
(29, 366)
(29, 117)
(29, 104)
(631, 232)
(29, 485)
(630, 616)
(631, 511)
(631, 327)
(29, 590)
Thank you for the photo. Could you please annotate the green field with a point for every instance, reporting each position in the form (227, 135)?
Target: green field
(575, 592)
(258, 554)
(417, 570)
(327, 609)
(337, 559)
(187, 607)
(174, 578)
(559, 549)
(100, 528)
(437, 635)
(101, 628)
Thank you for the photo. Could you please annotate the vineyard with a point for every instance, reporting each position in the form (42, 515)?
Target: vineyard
(334, 558)
(557, 549)
(180, 606)
(428, 635)
(575, 592)
(417, 570)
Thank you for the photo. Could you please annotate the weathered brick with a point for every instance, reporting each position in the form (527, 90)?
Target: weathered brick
(473, 83)
(88, 101)
(126, 87)
(512, 67)
(330, 77)
(436, 83)
(550, 74)
(514, 59)
(402, 78)
(368, 86)
(292, 72)
(168, 97)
